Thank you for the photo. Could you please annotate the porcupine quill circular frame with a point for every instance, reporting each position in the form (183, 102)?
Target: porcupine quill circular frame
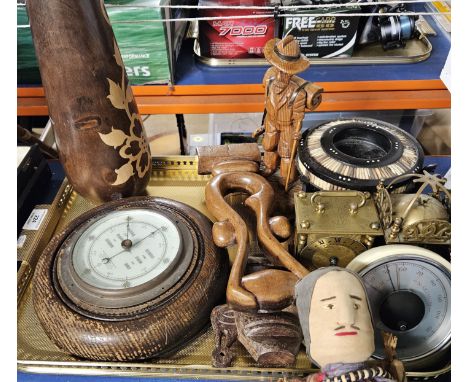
(356, 154)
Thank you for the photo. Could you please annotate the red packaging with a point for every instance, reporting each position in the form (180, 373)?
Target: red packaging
(235, 38)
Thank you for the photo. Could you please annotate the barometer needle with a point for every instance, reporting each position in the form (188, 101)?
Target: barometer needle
(128, 225)
(390, 277)
(398, 276)
(105, 260)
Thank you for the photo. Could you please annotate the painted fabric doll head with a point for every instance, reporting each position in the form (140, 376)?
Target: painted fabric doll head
(335, 317)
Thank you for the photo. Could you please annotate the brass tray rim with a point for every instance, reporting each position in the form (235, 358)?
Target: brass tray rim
(140, 370)
(229, 62)
(91, 368)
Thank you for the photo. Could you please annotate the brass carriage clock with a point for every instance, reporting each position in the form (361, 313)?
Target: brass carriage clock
(333, 227)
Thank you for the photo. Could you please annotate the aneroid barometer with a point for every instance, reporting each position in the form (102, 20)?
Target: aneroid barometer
(409, 294)
(131, 279)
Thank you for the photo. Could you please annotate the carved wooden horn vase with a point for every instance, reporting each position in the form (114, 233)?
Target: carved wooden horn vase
(99, 133)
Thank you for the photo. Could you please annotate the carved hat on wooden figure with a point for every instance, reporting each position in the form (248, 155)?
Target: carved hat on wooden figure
(335, 316)
(286, 55)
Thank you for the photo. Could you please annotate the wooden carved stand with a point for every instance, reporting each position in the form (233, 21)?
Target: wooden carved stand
(231, 229)
(272, 339)
(263, 334)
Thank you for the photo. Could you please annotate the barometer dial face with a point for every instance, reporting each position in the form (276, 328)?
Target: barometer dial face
(412, 299)
(130, 279)
(123, 258)
(409, 294)
(126, 249)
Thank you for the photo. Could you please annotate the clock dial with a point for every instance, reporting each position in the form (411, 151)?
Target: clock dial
(126, 249)
(411, 299)
(409, 293)
(123, 258)
(332, 250)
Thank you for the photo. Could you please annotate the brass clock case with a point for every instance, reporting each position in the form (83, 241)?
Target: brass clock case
(333, 227)
(154, 317)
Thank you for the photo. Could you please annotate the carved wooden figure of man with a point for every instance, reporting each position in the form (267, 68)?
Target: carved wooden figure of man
(286, 99)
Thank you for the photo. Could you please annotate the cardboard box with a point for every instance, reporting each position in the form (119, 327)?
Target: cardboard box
(143, 45)
(235, 38)
(327, 36)
(149, 49)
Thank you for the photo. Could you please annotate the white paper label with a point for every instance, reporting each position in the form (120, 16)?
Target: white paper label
(35, 219)
(21, 241)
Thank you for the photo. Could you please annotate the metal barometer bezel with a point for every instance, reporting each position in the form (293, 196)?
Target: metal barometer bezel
(87, 298)
(376, 257)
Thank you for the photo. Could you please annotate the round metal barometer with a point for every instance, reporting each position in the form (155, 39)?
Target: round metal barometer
(124, 275)
(123, 258)
(409, 293)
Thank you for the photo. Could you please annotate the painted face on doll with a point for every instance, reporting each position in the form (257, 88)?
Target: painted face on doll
(340, 324)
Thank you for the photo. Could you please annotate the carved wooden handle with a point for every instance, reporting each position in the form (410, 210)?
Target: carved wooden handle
(231, 229)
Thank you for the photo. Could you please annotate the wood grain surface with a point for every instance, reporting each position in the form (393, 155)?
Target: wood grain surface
(230, 229)
(272, 339)
(210, 156)
(286, 99)
(99, 133)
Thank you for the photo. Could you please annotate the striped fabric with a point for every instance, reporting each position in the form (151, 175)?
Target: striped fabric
(360, 375)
